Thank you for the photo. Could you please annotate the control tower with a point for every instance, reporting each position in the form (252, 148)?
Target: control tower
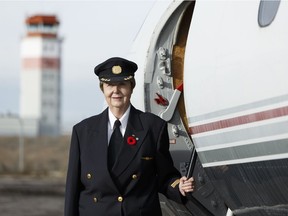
(40, 87)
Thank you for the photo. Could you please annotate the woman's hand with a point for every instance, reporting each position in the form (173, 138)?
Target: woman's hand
(186, 185)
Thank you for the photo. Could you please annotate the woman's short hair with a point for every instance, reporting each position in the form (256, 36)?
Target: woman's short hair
(133, 84)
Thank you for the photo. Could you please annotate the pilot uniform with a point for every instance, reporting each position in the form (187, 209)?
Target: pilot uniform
(143, 167)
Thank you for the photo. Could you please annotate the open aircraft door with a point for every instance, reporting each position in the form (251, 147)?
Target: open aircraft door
(163, 95)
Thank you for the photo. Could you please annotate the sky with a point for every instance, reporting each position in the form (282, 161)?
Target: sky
(92, 31)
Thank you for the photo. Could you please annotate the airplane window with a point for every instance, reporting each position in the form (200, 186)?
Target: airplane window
(267, 11)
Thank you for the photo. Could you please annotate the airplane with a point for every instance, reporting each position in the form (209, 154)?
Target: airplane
(216, 71)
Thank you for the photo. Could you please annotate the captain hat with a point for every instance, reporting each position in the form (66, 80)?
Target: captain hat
(115, 69)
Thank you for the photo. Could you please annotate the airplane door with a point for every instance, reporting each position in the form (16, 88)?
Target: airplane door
(163, 83)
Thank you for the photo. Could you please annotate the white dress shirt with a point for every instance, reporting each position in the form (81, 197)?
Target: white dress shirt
(123, 120)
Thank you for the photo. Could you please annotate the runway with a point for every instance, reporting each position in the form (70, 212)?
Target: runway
(31, 197)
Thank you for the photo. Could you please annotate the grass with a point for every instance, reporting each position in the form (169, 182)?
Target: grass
(43, 156)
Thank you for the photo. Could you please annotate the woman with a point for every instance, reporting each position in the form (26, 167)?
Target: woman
(119, 171)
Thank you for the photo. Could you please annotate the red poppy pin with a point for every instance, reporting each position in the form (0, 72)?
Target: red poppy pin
(131, 140)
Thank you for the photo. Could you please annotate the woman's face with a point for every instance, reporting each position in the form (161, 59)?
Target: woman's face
(118, 94)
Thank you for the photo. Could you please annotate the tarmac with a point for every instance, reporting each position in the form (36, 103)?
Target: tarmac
(31, 196)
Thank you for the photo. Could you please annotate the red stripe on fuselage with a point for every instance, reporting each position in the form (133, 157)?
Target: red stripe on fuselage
(240, 120)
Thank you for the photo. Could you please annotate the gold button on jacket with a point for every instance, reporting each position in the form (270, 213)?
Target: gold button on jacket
(120, 199)
(89, 176)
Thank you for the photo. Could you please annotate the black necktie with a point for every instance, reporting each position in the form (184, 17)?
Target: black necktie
(114, 144)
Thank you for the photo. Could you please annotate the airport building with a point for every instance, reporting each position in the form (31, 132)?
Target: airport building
(40, 81)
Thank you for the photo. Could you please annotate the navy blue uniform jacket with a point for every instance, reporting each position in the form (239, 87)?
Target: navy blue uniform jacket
(141, 170)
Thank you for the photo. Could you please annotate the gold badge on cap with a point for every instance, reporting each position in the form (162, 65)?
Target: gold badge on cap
(116, 69)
